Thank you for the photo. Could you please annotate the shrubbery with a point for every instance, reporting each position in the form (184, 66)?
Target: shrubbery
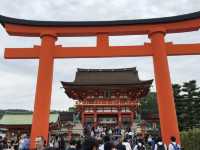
(190, 139)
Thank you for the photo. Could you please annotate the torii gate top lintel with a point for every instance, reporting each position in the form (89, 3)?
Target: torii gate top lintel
(21, 27)
(101, 29)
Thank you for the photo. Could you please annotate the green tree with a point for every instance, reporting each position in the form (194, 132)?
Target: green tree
(177, 90)
(187, 99)
(190, 89)
(191, 95)
(149, 107)
(149, 104)
(180, 104)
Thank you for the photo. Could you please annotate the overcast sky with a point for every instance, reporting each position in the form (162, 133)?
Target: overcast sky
(18, 77)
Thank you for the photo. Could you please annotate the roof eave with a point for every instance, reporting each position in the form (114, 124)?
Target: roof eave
(105, 84)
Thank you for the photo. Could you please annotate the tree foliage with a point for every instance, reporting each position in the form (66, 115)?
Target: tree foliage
(149, 104)
(149, 110)
(187, 100)
(190, 139)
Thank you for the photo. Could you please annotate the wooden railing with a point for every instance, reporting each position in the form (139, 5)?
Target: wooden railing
(108, 102)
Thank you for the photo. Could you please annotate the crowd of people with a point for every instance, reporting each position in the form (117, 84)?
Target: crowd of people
(14, 142)
(99, 138)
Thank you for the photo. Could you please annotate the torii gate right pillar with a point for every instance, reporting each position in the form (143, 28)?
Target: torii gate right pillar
(165, 99)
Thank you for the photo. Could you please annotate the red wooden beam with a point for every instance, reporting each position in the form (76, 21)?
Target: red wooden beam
(182, 49)
(114, 51)
(21, 53)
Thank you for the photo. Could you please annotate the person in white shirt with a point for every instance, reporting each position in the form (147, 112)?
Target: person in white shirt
(149, 140)
(160, 145)
(127, 144)
(106, 139)
(140, 145)
(173, 145)
(21, 143)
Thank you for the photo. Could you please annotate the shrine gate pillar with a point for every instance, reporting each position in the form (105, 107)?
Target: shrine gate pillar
(40, 120)
(165, 99)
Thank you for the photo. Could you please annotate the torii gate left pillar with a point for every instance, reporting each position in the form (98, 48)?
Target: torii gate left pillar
(40, 121)
(45, 54)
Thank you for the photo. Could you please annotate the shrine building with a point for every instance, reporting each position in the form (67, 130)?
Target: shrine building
(107, 96)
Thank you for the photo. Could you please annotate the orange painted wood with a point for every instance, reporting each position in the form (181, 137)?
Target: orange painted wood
(183, 49)
(40, 120)
(102, 41)
(22, 53)
(165, 99)
(114, 51)
(181, 26)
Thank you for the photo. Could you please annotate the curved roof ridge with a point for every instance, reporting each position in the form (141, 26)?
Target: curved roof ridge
(194, 15)
(105, 70)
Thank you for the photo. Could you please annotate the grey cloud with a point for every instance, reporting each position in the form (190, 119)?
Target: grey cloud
(95, 10)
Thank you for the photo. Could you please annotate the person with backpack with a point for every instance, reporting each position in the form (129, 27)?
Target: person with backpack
(160, 145)
(106, 139)
(173, 145)
(120, 146)
(140, 145)
(127, 144)
(90, 143)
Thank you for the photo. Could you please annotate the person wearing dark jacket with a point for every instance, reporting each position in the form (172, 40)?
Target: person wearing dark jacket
(89, 144)
(120, 146)
(72, 145)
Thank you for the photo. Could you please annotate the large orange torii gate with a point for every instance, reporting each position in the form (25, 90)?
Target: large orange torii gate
(156, 29)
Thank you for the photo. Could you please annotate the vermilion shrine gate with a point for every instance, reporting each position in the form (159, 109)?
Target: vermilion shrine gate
(156, 29)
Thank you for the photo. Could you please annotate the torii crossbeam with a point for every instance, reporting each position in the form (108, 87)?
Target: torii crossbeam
(156, 29)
